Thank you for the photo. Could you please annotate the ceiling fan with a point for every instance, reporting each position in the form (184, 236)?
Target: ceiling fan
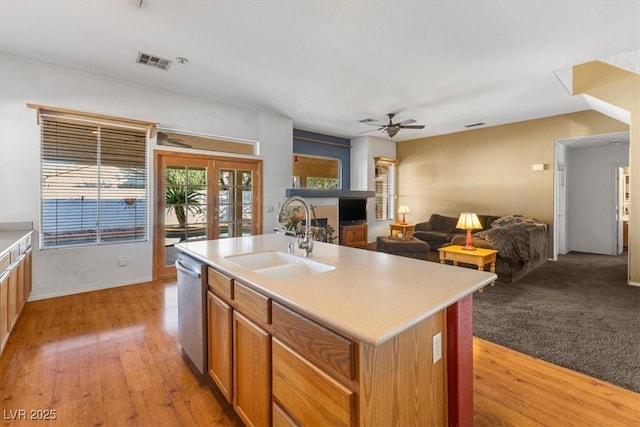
(391, 128)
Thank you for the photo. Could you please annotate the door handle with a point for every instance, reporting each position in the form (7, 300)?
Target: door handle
(182, 269)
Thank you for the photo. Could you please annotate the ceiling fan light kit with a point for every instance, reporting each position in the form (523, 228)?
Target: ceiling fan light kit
(391, 128)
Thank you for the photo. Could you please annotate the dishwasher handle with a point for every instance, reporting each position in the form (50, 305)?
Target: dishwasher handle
(182, 269)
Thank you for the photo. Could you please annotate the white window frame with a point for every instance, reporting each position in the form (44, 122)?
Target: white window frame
(388, 184)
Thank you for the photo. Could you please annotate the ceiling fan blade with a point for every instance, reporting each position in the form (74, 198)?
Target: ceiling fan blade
(372, 130)
(374, 124)
(413, 127)
(406, 122)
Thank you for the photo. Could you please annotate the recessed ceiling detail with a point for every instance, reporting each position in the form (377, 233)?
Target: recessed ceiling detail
(153, 61)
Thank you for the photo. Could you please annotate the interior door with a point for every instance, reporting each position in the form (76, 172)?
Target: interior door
(620, 209)
(203, 198)
(561, 211)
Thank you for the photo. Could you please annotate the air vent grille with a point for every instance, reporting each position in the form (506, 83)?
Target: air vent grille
(153, 61)
(472, 125)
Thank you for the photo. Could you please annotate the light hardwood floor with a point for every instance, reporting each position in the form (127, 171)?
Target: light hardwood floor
(111, 357)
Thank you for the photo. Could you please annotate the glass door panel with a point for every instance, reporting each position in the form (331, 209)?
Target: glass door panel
(185, 207)
(235, 202)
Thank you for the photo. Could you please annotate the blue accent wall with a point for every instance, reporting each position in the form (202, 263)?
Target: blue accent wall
(302, 146)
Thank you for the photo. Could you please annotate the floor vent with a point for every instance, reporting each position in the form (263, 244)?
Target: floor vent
(153, 61)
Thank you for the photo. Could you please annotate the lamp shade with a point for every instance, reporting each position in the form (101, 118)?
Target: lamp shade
(403, 209)
(468, 221)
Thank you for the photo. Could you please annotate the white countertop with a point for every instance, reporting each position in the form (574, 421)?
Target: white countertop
(369, 296)
(8, 238)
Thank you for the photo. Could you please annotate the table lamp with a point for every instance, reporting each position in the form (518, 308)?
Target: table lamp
(468, 221)
(403, 209)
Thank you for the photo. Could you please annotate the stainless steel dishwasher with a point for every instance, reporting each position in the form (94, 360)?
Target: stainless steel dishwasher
(191, 311)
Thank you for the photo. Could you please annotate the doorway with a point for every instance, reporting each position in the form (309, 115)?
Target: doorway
(586, 193)
(203, 198)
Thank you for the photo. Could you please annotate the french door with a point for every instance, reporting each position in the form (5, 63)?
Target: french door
(203, 198)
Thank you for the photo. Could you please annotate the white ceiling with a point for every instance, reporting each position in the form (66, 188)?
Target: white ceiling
(329, 64)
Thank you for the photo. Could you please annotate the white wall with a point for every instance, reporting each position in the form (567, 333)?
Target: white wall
(592, 192)
(72, 270)
(363, 176)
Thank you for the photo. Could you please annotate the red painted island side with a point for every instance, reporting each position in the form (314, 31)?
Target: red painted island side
(460, 362)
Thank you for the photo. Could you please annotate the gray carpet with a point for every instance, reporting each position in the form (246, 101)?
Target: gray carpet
(577, 312)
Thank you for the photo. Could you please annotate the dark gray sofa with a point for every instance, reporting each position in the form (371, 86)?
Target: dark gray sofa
(522, 247)
(439, 230)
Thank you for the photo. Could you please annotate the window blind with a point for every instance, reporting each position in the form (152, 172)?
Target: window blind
(94, 183)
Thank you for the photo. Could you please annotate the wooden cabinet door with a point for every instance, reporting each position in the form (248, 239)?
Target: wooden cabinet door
(353, 235)
(27, 275)
(220, 318)
(21, 284)
(13, 297)
(4, 310)
(251, 372)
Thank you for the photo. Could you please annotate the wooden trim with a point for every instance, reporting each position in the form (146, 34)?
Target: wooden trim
(318, 141)
(386, 160)
(217, 158)
(208, 143)
(45, 109)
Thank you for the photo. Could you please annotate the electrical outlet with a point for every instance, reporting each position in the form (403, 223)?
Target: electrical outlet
(122, 262)
(270, 209)
(437, 347)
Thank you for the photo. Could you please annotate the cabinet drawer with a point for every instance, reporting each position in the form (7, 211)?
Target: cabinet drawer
(5, 260)
(255, 306)
(220, 284)
(330, 351)
(309, 395)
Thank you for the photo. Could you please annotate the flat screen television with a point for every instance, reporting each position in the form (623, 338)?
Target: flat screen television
(352, 211)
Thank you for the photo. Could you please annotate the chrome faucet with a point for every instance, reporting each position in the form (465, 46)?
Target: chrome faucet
(305, 243)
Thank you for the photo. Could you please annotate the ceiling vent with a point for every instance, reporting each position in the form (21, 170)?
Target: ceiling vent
(153, 61)
(472, 125)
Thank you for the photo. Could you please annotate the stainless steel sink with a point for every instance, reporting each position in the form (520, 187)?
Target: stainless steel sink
(279, 265)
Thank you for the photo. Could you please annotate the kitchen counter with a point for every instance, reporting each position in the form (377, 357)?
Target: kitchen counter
(12, 233)
(370, 296)
(15, 275)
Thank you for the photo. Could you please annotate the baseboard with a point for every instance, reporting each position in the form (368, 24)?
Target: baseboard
(630, 283)
(87, 289)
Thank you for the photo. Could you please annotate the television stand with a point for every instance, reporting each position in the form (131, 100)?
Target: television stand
(353, 235)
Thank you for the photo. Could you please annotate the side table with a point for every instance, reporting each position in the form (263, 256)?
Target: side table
(406, 230)
(479, 257)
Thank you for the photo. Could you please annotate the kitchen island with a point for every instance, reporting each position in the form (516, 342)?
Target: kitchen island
(372, 339)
